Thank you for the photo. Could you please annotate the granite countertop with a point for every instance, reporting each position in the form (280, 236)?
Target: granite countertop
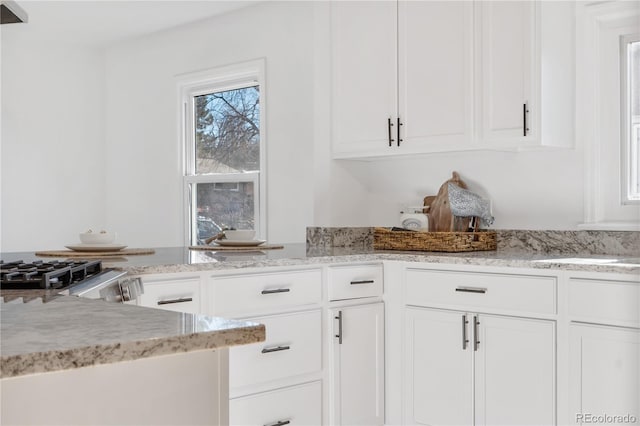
(70, 332)
(180, 259)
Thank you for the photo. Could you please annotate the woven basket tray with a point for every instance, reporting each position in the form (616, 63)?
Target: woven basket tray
(385, 239)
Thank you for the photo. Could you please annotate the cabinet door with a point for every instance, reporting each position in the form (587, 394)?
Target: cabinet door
(358, 365)
(438, 369)
(508, 52)
(435, 51)
(605, 372)
(514, 371)
(364, 81)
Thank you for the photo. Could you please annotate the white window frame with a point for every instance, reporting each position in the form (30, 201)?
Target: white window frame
(630, 130)
(219, 79)
(593, 19)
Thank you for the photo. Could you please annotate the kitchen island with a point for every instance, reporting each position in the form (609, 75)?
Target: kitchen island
(92, 362)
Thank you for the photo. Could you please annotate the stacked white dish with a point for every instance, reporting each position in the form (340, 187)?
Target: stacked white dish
(239, 238)
(96, 241)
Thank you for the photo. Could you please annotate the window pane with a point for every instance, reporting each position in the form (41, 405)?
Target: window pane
(226, 204)
(633, 149)
(227, 131)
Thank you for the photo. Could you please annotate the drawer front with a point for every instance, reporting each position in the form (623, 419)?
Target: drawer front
(292, 347)
(353, 282)
(175, 295)
(299, 405)
(481, 291)
(266, 292)
(605, 301)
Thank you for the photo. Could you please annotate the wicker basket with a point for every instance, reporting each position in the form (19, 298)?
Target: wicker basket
(385, 239)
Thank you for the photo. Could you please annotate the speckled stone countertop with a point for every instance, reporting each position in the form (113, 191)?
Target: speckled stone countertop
(70, 332)
(183, 260)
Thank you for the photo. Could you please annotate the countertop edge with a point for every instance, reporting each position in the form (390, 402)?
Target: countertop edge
(58, 360)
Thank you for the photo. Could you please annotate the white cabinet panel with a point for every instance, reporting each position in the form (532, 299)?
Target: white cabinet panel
(364, 82)
(180, 295)
(605, 301)
(435, 50)
(298, 405)
(508, 55)
(353, 282)
(515, 371)
(251, 293)
(292, 347)
(605, 372)
(438, 370)
(358, 365)
(475, 290)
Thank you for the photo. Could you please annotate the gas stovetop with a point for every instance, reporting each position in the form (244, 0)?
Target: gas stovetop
(46, 275)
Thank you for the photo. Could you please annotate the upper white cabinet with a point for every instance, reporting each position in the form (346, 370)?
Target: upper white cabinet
(412, 77)
(507, 73)
(401, 77)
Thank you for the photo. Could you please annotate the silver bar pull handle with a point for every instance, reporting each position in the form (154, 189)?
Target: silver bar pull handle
(389, 125)
(279, 423)
(479, 290)
(180, 300)
(354, 282)
(339, 335)
(476, 336)
(277, 290)
(276, 349)
(465, 339)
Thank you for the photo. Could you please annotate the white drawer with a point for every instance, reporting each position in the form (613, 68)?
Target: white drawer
(300, 405)
(481, 291)
(353, 282)
(292, 347)
(172, 295)
(605, 301)
(240, 294)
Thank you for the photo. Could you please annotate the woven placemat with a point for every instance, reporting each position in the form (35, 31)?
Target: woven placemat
(73, 253)
(215, 247)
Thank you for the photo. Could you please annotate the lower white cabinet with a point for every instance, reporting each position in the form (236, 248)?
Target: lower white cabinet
(295, 405)
(292, 348)
(604, 377)
(357, 351)
(470, 368)
(179, 294)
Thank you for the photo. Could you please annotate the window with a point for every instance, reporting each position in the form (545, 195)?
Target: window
(630, 66)
(223, 122)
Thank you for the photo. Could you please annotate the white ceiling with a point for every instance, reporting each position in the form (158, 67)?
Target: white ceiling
(101, 23)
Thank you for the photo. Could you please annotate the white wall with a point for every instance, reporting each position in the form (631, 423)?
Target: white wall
(104, 125)
(52, 162)
(144, 186)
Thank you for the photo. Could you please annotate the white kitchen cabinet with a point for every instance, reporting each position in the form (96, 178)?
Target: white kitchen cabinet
(508, 78)
(295, 405)
(357, 349)
(502, 366)
(604, 348)
(413, 77)
(604, 373)
(364, 81)
(401, 77)
(172, 293)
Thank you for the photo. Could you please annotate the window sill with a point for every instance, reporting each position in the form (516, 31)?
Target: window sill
(610, 226)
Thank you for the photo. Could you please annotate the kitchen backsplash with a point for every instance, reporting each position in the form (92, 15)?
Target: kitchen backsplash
(617, 243)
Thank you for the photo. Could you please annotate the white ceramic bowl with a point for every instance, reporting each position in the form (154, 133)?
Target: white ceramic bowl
(240, 234)
(100, 237)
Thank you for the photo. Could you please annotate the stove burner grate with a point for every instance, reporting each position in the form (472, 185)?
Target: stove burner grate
(45, 275)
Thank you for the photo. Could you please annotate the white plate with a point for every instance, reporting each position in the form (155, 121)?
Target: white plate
(95, 247)
(240, 243)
